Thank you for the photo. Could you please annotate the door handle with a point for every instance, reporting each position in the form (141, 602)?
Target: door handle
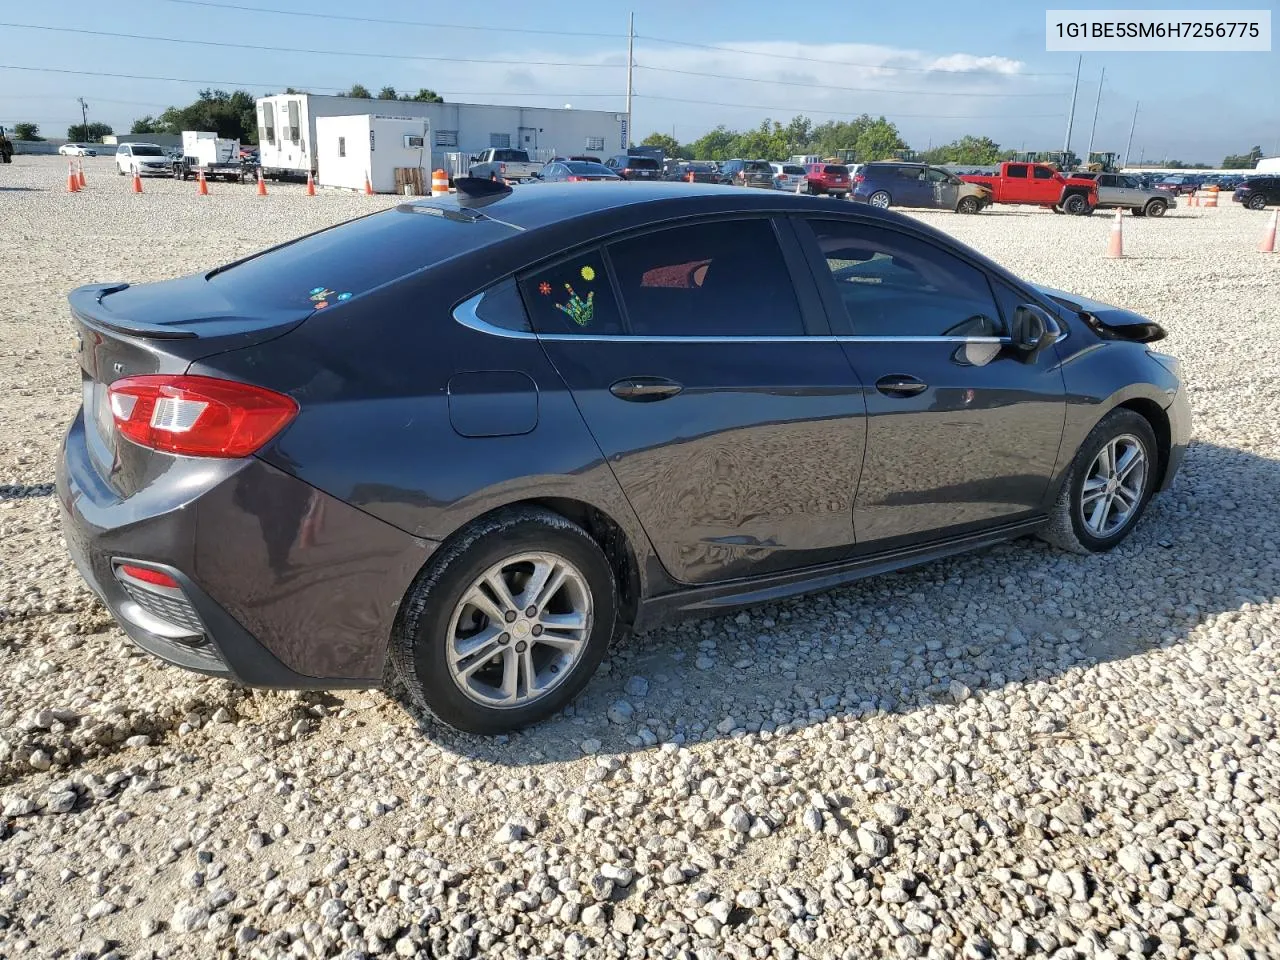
(645, 389)
(900, 385)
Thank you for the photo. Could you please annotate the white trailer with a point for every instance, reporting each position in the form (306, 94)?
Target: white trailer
(349, 149)
(1268, 165)
(287, 129)
(205, 152)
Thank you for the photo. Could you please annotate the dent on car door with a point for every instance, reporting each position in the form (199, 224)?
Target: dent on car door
(961, 432)
(736, 436)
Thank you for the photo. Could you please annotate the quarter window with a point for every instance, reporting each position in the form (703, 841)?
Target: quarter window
(720, 279)
(893, 285)
(572, 296)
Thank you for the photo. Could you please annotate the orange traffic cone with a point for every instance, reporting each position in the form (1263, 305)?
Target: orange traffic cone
(137, 182)
(311, 185)
(73, 185)
(1115, 245)
(262, 185)
(368, 187)
(439, 183)
(80, 178)
(1268, 244)
(202, 187)
(690, 177)
(1193, 200)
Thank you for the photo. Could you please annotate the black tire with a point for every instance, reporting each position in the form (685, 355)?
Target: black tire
(418, 644)
(1057, 208)
(1076, 205)
(968, 205)
(1137, 211)
(1155, 208)
(813, 190)
(1256, 202)
(884, 204)
(1066, 528)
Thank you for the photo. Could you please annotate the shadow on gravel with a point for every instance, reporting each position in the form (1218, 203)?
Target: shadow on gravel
(20, 189)
(1016, 614)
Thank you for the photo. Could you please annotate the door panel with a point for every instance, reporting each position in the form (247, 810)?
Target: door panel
(961, 433)
(736, 437)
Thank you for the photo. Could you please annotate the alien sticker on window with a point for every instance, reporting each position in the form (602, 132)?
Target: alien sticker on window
(321, 296)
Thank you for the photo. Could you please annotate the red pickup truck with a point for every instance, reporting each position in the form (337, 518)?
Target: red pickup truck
(1041, 185)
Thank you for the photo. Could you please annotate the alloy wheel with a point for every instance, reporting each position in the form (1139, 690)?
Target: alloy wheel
(879, 199)
(1114, 486)
(519, 630)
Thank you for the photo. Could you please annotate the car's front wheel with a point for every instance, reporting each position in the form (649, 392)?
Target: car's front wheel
(1155, 208)
(968, 205)
(879, 199)
(508, 623)
(1108, 486)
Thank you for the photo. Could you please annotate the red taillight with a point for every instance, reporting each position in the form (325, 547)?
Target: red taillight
(502, 168)
(198, 416)
(859, 178)
(146, 575)
(576, 179)
(625, 171)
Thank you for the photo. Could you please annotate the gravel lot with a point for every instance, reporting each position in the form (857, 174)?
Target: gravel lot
(1018, 753)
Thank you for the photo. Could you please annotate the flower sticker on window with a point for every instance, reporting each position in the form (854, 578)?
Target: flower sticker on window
(544, 288)
(576, 309)
(588, 273)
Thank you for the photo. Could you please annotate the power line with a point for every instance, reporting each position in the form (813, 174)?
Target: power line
(845, 113)
(310, 15)
(273, 85)
(834, 63)
(327, 53)
(826, 86)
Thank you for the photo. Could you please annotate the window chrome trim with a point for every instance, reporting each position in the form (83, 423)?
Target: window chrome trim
(466, 314)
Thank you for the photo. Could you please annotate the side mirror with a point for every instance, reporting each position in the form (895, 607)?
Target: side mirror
(1033, 330)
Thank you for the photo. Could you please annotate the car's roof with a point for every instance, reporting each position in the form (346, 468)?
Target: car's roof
(539, 205)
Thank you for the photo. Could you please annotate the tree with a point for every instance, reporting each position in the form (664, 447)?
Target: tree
(230, 115)
(423, 96)
(93, 133)
(977, 151)
(147, 124)
(1243, 161)
(387, 93)
(878, 140)
(669, 144)
(25, 130)
(715, 145)
(358, 90)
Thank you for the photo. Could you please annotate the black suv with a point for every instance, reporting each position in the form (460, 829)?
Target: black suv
(630, 166)
(1257, 193)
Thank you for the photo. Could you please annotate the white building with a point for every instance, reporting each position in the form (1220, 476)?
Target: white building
(348, 149)
(287, 129)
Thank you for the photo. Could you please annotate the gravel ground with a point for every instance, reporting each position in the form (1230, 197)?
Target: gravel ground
(1018, 753)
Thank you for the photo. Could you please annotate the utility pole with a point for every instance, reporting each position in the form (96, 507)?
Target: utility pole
(1093, 129)
(631, 40)
(1130, 142)
(84, 117)
(1066, 147)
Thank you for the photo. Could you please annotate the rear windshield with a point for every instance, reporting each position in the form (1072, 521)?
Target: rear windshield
(147, 151)
(701, 167)
(589, 169)
(642, 163)
(512, 156)
(328, 268)
(759, 166)
(792, 170)
(836, 170)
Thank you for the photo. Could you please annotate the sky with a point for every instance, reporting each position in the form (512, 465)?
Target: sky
(939, 70)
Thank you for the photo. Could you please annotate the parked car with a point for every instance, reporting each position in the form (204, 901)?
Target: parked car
(504, 163)
(700, 170)
(754, 173)
(142, 159)
(1121, 190)
(297, 485)
(831, 179)
(587, 159)
(892, 183)
(576, 171)
(1257, 193)
(728, 169)
(635, 167)
(77, 150)
(788, 176)
(1039, 184)
(1178, 185)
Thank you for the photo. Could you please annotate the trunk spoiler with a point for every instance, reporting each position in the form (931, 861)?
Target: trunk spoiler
(86, 303)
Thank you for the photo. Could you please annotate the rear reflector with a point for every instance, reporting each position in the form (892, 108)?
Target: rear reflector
(198, 416)
(147, 575)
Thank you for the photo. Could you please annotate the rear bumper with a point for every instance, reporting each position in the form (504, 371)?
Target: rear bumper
(285, 586)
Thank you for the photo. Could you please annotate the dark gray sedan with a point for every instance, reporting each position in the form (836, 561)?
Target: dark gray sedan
(473, 438)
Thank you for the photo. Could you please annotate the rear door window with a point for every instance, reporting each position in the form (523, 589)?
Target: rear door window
(1042, 173)
(724, 278)
(1018, 170)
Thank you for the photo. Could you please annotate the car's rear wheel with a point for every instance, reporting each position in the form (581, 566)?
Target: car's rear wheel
(1108, 485)
(508, 623)
(879, 199)
(968, 205)
(1256, 202)
(1155, 208)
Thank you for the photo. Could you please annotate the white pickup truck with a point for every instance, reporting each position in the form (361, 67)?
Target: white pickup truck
(505, 164)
